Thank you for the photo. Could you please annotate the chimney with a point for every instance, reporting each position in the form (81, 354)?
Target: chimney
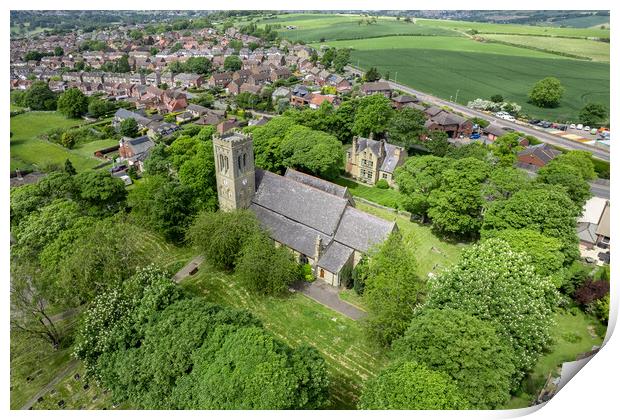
(317, 249)
(381, 148)
(353, 148)
(371, 135)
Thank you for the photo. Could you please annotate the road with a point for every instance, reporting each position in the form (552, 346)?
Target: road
(599, 190)
(542, 135)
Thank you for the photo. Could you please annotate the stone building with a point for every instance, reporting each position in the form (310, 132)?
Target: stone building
(370, 160)
(314, 218)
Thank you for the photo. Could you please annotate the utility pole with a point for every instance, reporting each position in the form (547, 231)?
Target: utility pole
(456, 98)
(396, 77)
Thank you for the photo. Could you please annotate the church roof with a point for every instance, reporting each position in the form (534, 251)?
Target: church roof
(361, 230)
(321, 184)
(335, 257)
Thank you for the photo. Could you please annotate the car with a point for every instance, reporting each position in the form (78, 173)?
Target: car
(562, 127)
(579, 126)
(586, 128)
(533, 122)
(541, 123)
(573, 126)
(475, 136)
(509, 118)
(593, 131)
(546, 124)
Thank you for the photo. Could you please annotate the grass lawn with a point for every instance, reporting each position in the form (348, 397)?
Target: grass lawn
(388, 197)
(597, 51)
(297, 320)
(442, 66)
(349, 295)
(432, 253)
(158, 251)
(88, 149)
(28, 150)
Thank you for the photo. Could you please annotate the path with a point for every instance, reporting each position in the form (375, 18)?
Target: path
(47, 388)
(186, 271)
(327, 295)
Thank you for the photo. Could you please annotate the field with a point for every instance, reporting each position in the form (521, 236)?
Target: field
(28, 150)
(299, 320)
(595, 50)
(442, 66)
(321, 27)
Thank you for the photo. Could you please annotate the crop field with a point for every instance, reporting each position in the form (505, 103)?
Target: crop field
(594, 50)
(442, 66)
(297, 320)
(27, 149)
(583, 22)
(316, 28)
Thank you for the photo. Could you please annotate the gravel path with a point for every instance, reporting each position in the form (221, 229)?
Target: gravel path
(328, 295)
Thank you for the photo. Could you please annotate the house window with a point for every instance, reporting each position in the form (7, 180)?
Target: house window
(322, 273)
(384, 176)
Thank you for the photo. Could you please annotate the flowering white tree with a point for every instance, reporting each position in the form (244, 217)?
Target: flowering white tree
(495, 283)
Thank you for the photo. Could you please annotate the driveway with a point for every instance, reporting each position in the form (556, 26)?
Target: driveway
(327, 295)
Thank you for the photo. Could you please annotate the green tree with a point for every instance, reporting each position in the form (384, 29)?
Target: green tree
(220, 236)
(341, 59)
(39, 97)
(372, 115)
(494, 283)
(406, 126)
(312, 151)
(372, 75)
(497, 98)
(99, 192)
(232, 63)
(69, 169)
(546, 93)
(464, 347)
(503, 182)
(265, 269)
(580, 160)
(59, 52)
(593, 114)
(411, 386)
(437, 143)
(392, 291)
(567, 176)
(73, 103)
(98, 107)
(129, 128)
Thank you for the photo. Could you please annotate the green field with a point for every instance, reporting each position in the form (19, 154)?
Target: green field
(591, 21)
(318, 27)
(297, 320)
(442, 66)
(595, 50)
(88, 149)
(28, 150)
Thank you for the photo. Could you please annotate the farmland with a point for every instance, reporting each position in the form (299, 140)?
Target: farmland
(442, 66)
(594, 50)
(27, 149)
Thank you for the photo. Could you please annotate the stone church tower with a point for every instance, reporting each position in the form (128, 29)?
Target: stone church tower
(234, 170)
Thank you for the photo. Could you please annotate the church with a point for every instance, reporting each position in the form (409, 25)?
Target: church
(314, 218)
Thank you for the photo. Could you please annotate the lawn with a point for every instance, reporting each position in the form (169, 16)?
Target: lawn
(432, 254)
(388, 197)
(595, 50)
(29, 150)
(297, 320)
(319, 27)
(88, 149)
(442, 66)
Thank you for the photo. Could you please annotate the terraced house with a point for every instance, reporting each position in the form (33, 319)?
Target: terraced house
(316, 219)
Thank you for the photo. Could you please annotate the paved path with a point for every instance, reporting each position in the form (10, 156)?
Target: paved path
(185, 271)
(328, 295)
(47, 388)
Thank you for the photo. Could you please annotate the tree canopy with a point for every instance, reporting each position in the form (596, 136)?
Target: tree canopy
(373, 115)
(72, 103)
(546, 93)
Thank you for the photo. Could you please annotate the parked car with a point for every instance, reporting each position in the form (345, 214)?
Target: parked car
(475, 136)
(545, 124)
(586, 128)
(533, 122)
(562, 127)
(572, 126)
(593, 131)
(579, 126)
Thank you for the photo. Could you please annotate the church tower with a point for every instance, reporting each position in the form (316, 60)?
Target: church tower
(234, 170)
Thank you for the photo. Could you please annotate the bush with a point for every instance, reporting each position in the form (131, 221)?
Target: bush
(305, 273)
(382, 184)
(590, 291)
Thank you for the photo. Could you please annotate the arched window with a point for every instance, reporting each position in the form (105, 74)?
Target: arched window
(322, 273)
(239, 162)
(244, 163)
(226, 164)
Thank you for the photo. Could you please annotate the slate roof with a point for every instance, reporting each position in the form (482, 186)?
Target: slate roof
(321, 184)
(587, 232)
(390, 160)
(299, 202)
(361, 231)
(139, 144)
(542, 151)
(335, 257)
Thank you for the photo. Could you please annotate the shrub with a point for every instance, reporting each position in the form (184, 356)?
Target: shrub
(590, 291)
(382, 184)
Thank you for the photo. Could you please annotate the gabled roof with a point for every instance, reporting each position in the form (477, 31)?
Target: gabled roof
(361, 231)
(543, 151)
(603, 224)
(335, 257)
(321, 184)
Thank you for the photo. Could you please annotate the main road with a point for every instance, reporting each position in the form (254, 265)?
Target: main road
(522, 127)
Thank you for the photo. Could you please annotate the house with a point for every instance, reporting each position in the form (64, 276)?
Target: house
(536, 156)
(122, 114)
(593, 225)
(316, 100)
(493, 131)
(161, 129)
(227, 125)
(341, 84)
(372, 88)
(452, 124)
(184, 117)
(197, 110)
(220, 79)
(210, 118)
(280, 92)
(370, 160)
(402, 101)
(300, 95)
(135, 151)
(313, 218)
(188, 80)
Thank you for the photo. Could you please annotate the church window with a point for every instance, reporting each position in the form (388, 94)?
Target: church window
(244, 163)
(322, 273)
(239, 162)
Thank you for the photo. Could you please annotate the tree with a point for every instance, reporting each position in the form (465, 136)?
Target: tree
(372, 75)
(437, 143)
(73, 103)
(497, 98)
(39, 97)
(567, 176)
(341, 59)
(59, 52)
(416, 179)
(541, 208)
(580, 160)
(494, 283)
(129, 128)
(372, 115)
(220, 236)
(544, 251)
(546, 93)
(505, 149)
(163, 204)
(265, 269)
(392, 290)
(98, 107)
(198, 173)
(593, 114)
(503, 182)
(232, 63)
(406, 126)
(69, 169)
(100, 193)
(312, 151)
(411, 386)
(464, 347)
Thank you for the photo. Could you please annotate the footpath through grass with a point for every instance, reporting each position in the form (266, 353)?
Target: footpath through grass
(28, 150)
(297, 320)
